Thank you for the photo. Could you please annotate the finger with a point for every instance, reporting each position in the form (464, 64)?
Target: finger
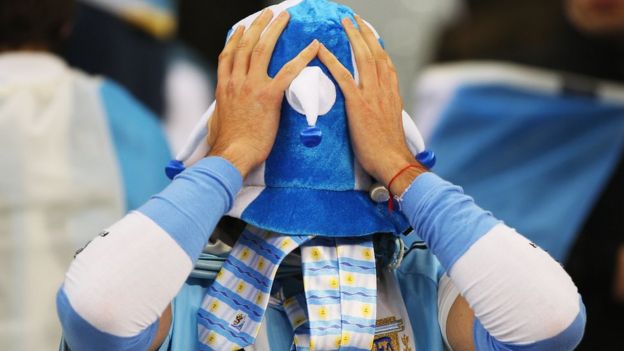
(340, 73)
(292, 69)
(380, 55)
(392, 75)
(248, 42)
(263, 51)
(363, 56)
(226, 58)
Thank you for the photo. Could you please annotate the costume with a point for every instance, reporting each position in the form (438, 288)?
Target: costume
(57, 126)
(311, 194)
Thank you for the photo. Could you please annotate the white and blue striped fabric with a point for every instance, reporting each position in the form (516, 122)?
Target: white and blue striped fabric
(235, 303)
(339, 278)
(340, 283)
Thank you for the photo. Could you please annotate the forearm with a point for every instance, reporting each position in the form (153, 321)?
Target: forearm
(119, 285)
(519, 294)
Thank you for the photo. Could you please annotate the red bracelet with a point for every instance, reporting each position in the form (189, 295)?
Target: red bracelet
(391, 200)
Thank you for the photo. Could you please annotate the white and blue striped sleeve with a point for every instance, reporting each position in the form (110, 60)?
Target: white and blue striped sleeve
(119, 285)
(522, 298)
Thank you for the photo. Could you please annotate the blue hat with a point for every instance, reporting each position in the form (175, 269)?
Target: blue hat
(311, 184)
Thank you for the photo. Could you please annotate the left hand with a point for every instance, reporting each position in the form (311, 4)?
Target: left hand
(374, 108)
(244, 126)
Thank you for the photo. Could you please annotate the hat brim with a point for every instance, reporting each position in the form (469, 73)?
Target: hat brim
(299, 211)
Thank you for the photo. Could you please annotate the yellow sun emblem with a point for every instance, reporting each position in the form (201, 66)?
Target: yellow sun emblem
(285, 244)
(245, 254)
(337, 342)
(322, 312)
(211, 339)
(240, 287)
(333, 283)
(367, 254)
(345, 339)
(316, 254)
(366, 310)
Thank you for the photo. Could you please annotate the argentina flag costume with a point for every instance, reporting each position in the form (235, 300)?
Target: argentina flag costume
(320, 264)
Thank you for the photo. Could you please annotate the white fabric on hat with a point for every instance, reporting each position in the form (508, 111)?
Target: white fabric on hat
(312, 94)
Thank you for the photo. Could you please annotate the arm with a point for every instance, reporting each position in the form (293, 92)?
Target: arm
(118, 287)
(522, 298)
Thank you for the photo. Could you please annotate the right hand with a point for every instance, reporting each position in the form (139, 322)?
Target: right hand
(374, 108)
(244, 126)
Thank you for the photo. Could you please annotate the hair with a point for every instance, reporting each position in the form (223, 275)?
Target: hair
(34, 23)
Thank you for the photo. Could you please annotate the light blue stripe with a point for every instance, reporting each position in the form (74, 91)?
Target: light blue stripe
(262, 248)
(81, 335)
(357, 321)
(192, 205)
(347, 265)
(318, 297)
(357, 266)
(241, 271)
(235, 301)
(567, 340)
(325, 300)
(352, 348)
(446, 219)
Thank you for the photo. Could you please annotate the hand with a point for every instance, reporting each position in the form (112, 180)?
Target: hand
(244, 126)
(374, 108)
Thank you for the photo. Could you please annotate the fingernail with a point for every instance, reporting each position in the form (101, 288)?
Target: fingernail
(283, 14)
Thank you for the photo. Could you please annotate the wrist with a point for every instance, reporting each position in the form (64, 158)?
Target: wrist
(236, 156)
(400, 176)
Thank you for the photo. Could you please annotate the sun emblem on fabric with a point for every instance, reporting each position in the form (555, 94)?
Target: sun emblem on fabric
(322, 313)
(286, 244)
(261, 263)
(349, 279)
(346, 337)
(240, 287)
(367, 254)
(316, 254)
(259, 298)
(245, 254)
(337, 342)
(211, 339)
(366, 310)
(214, 306)
(333, 283)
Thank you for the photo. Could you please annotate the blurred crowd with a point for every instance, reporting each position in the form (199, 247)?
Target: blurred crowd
(522, 100)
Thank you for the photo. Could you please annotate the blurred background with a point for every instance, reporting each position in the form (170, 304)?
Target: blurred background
(522, 100)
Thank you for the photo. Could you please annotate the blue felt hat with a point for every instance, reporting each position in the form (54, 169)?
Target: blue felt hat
(311, 184)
